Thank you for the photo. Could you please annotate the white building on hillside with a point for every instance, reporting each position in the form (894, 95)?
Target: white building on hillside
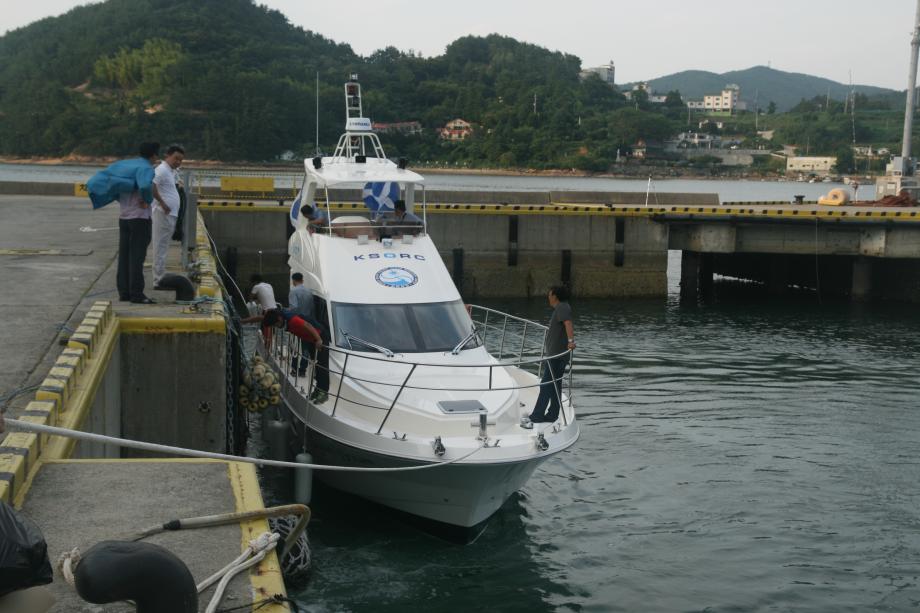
(810, 164)
(607, 73)
(726, 102)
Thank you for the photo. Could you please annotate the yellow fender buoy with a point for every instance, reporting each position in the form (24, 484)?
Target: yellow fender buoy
(835, 197)
(263, 403)
(274, 399)
(275, 389)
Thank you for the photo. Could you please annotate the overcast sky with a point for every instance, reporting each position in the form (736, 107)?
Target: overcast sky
(644, 38)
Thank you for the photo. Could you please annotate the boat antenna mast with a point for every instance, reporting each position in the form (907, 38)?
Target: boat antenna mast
(359, 135)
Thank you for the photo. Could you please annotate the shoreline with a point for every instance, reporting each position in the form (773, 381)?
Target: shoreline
(639, 173)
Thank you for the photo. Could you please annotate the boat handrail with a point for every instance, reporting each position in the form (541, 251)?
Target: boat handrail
(343, 230)
(283, 339)
(293, 344)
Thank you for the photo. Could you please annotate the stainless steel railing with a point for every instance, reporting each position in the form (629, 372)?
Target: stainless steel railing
(503, 330)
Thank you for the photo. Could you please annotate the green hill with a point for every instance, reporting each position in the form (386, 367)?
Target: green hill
(786, 89)
(235, 81)
(231, 79)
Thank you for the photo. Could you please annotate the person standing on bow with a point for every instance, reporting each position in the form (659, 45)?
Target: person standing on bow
(166, 211)
(558, 347)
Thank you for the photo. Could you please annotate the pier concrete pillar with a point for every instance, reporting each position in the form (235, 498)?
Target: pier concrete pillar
(707, 265)
(690, 262)
(861, 288)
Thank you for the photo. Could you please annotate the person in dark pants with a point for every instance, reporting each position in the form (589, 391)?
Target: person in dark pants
(560, 339)
(134, 232)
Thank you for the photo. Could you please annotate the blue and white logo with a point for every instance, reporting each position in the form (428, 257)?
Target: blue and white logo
(394, 276)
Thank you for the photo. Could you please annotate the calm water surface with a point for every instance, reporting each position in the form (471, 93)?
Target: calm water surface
(729, 191)
(751, 454)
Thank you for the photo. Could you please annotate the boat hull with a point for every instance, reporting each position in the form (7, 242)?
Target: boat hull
(461, 494)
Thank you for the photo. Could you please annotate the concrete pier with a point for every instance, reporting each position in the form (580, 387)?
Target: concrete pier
(77, 358)
(508, 244)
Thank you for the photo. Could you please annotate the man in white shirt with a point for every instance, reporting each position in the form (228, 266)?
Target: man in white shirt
(262, 293)
(166, 210)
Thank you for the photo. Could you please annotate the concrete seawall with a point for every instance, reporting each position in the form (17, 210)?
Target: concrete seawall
(495, 255)
(496, 244)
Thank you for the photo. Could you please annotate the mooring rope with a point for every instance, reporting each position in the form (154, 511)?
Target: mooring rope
(27, 426)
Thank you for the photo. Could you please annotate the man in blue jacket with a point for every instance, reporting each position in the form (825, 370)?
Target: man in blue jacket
(131, 183)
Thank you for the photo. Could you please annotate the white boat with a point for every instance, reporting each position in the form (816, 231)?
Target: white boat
(417, 378)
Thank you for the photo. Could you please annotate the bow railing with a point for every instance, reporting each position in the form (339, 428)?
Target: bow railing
(512, 343)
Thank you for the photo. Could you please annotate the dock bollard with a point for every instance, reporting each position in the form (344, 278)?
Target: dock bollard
(303, 479)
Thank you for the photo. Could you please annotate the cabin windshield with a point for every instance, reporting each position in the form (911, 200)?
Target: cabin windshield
(403, 328)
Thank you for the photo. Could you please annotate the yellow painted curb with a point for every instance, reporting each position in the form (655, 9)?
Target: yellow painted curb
(266, 577)
(170, 325)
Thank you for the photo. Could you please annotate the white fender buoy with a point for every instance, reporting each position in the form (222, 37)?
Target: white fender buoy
(303, 479)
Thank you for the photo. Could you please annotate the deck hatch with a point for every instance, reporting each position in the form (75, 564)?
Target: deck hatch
(460, 406)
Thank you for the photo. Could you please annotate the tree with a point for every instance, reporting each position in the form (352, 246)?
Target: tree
(846, 161)
(673, 99)
(771, 108)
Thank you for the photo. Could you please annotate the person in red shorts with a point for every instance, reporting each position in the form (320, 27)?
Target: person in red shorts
(297, 326)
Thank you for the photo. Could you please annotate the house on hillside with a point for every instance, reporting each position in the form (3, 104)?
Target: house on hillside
(697, 139)
(398, 127)
(650, 96)
(606, 73)
(726, 102)
(457, 129)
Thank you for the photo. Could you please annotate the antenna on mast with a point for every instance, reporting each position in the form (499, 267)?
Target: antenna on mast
(317, 113)
(853, 107)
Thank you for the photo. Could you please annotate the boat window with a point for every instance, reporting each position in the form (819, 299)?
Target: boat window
(404, 328)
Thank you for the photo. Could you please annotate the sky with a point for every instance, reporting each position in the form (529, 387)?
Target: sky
(645, 39)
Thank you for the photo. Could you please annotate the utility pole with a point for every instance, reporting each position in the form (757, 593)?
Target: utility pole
(911, 91)
(534, 104)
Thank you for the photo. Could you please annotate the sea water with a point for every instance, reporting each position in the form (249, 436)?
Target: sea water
(752, 453)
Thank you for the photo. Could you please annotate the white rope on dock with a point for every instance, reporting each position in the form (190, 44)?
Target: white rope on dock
(27, 426)
(256, 551)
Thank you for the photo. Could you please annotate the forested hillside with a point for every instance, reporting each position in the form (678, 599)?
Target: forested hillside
(234, 81)
(784, 89)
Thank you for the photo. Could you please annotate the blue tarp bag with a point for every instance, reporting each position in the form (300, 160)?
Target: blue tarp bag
(121, 177)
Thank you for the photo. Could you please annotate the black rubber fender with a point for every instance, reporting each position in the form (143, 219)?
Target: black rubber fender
(153, 577)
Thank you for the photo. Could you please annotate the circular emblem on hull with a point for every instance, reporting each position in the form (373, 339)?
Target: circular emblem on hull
(394, 276)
